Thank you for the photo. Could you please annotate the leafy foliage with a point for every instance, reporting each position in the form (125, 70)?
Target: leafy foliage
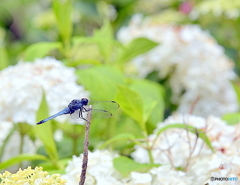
(126, 165)
(82, 35)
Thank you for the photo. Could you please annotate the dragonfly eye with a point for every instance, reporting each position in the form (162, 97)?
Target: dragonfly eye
(84, 101)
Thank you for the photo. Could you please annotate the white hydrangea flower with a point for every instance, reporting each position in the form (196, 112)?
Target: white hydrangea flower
(22, 87)
(137, 178)
(100, 169)
(165, 175)
(178, 146)
(199, 72)
(215, 165)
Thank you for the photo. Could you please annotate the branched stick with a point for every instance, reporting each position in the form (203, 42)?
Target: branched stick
(85, 152)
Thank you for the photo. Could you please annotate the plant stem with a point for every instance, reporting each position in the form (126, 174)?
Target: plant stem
(85, 152)
(149, 149)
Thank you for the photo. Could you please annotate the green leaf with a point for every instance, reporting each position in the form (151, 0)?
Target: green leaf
(101, 81)
(39, 50)
(44, 131)
(119, 137)
(191, 129)
(136, 47)
(105, 40)
(3, 51)
(48, 165)
(20, 158)
(236, 86)
(232, 118)
(4, 57)
(152, 96)
(131, 103)
(63, 11)
(126, 165)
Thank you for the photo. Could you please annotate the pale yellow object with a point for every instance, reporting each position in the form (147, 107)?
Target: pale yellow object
(31, 177)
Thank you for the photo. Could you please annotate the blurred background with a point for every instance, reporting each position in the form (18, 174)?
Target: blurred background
(156, 58)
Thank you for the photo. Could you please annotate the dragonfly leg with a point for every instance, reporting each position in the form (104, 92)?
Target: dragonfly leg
(80, 114)
(86, 110)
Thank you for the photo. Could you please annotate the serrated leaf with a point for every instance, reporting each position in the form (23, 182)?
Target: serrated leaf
(44, 131)
(126, 165)
(20, 158)
(136, 47)
(40, 50)
(191, 129)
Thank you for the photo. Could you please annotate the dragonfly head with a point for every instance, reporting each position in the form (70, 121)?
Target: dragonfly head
(84, 101)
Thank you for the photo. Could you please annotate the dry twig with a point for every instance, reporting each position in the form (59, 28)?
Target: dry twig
(85, 152)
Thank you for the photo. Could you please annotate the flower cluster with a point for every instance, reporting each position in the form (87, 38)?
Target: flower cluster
(31, 177)
(175, 148)
(199, 72)
(215, 165)
(22, 87)
(156, 176)
(177, 145)
(99, 171)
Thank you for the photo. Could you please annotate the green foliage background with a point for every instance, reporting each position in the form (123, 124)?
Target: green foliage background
(82, 35)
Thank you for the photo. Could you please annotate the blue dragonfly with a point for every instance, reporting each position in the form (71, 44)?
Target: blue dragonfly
(78, 109)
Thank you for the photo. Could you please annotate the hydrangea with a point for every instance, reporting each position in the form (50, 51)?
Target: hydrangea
(178, 146)
(198, 70)
(99, 171)
(165, 175)
(216, 165)
(137, 178)
(22, 87)
(31, 177)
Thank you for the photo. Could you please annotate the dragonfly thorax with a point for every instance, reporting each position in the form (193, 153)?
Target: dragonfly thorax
(75, 105)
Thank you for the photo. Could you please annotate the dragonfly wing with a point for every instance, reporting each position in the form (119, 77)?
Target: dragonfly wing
(104, 105)
(100, 114)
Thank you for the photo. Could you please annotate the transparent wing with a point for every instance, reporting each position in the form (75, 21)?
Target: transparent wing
(100, 114)
(96, 114)
(103, 105)
(100, 110)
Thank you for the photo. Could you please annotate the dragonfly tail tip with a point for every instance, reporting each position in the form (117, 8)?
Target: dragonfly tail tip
(40, 122)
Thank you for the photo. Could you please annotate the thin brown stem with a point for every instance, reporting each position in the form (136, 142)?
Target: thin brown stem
(85, 152)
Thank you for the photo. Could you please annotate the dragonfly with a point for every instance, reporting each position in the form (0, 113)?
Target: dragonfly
(78, 109)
